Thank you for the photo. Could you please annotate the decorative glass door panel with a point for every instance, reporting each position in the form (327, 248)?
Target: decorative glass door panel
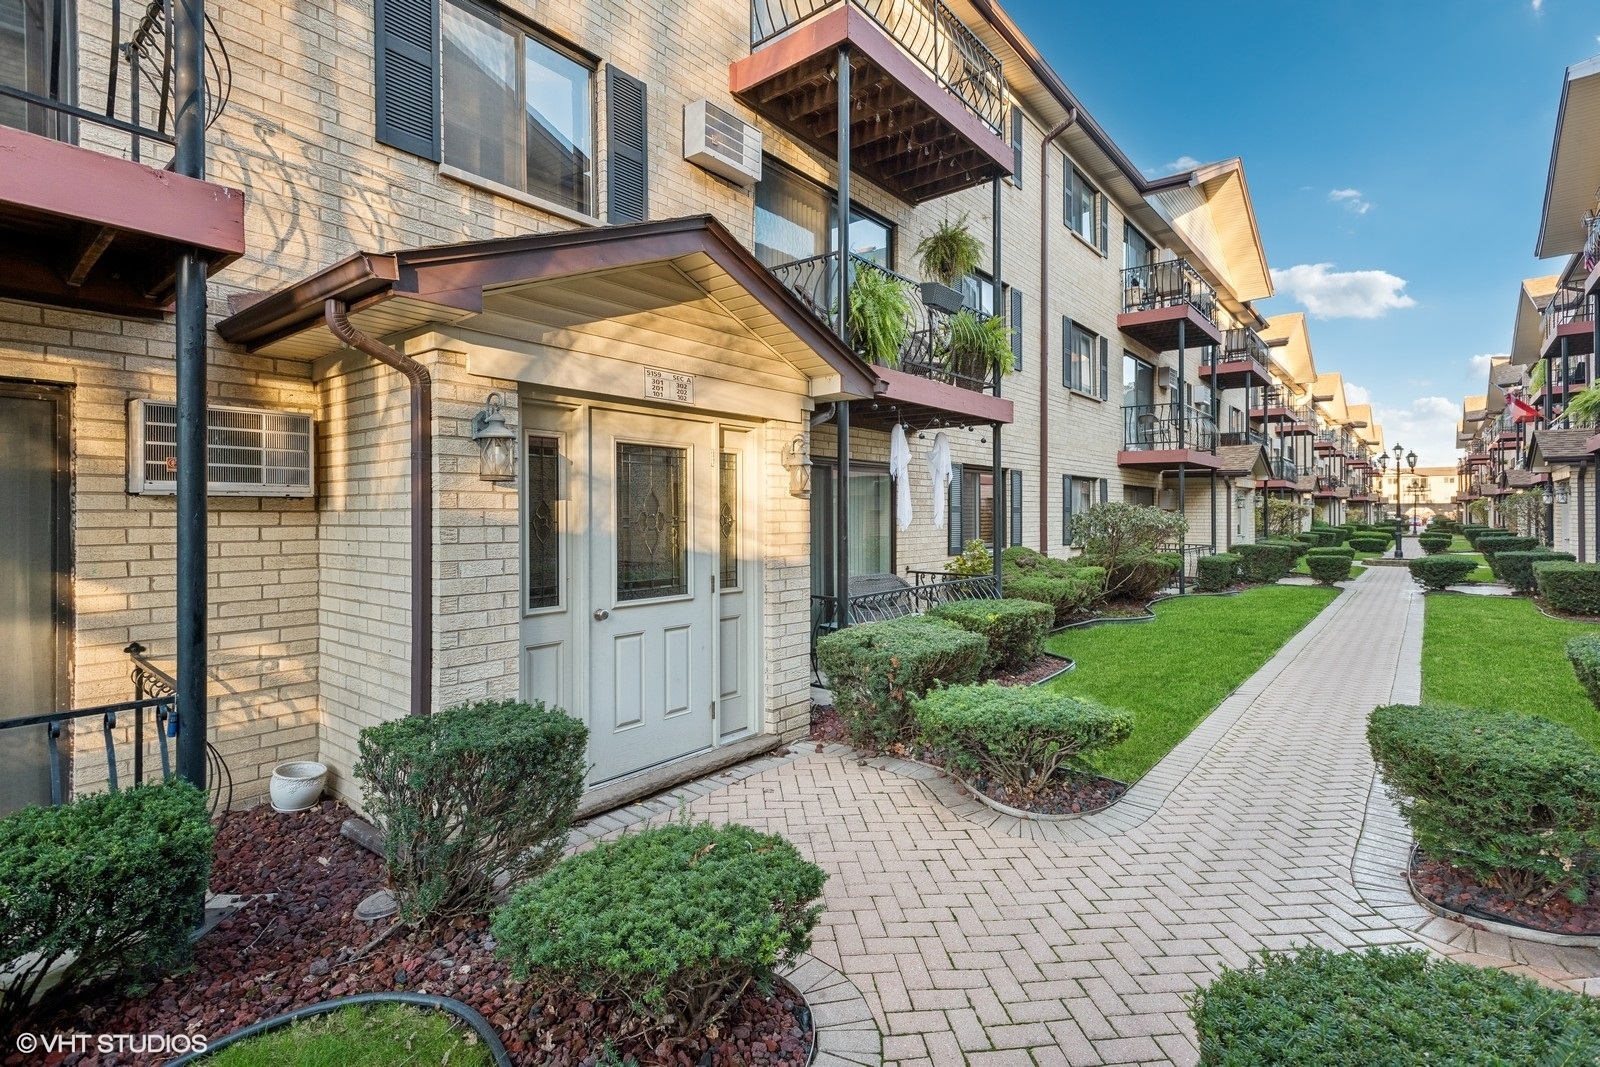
(652, 522)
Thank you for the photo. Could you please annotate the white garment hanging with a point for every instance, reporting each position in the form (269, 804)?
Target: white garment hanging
(939, 467)
(900, 471)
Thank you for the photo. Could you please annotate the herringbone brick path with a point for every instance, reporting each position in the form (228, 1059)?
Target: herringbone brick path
(975, 945)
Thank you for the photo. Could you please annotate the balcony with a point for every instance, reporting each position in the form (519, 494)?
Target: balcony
(1282, 473)
(1243, 437)
(1328, 443)
(1168, 305)
(1328, 487)
(1569, 318)
(925, 374)
(1167, 436)
(96, 228)
(1239, 362)
(928, 101)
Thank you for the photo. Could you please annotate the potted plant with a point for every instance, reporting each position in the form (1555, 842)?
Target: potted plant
(947, 255)
(880, 315)
(979, 344)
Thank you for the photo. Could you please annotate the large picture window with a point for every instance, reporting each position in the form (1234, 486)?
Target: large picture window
(518, 109)
(795, 219)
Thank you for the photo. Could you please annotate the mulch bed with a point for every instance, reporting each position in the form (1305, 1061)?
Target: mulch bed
(1068, 794)
(1456, 891)
(305, 946)
(1043, 666)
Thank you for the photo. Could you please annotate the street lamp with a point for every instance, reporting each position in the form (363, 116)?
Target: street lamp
(1410, 459)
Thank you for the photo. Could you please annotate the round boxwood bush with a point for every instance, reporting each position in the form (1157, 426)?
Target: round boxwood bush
(1437, 572)
(1366, 542)
(669, 926)
(1511, 799)
(1433, 543)
(1344, 551)
(1516, 568)
(1265, 561)
(1490, 547)
(1570, 587)
(1328, 569)
(1216, 573)
(1019, 737)
(874, 669)
(1015, 628)
(1378, 1008)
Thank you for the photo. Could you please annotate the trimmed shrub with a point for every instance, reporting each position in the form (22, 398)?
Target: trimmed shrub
(1319, 1008)
(1014, 627)
(1293, 544)
(1328, 569)
(1490, 546)
(1326, 536)
(1126, 540)
(1437, 572)
(1584, 652)
(1366, 542)
(1215, 573)
(1570, 587)
(1309, 538)
(1265, 561)
(114, 880)
(1018, 737)
(1516, 568)
(1511, 799)
(467, 794)
(668, 927)
(1472, 533)
(1333, 550)
(1066, 596)
(1433, 543)
(875, 669)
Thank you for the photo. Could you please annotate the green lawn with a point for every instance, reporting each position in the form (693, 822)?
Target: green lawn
(1171, 673)
(1499, 652)
(377, 1036)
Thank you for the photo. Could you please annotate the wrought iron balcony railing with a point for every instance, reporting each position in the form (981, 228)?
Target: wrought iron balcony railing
(927, 351)
(1241, 342)
(1169, 283)
(1568, 304)
(1159, 427)
(134, 78)
(1282, 469)
(926, 30)
(1242, 437)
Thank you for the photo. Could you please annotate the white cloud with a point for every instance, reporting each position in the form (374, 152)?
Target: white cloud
(1427, 427)
(1351, 199)
(1351, 294)
(1356, 394)
(1538, 5)
(1181, 163)
(1478, 367)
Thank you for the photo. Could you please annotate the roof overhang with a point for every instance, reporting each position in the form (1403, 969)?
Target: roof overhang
(1527, 332)
(1290, 341)
(1555, 447)
(657, 265)
(1569, 189)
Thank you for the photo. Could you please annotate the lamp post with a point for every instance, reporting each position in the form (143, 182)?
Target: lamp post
(1410, 459)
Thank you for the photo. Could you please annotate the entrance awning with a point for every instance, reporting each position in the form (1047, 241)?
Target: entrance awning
(685, 279)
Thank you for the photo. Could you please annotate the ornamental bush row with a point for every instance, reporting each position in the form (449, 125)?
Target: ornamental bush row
(1516, 568)
(1014, 628)
(1265, 561)
(1570, 587)
(1367, 542)
(1437, 572)
(1490, 546)
(1584, 652)
(1216, 573)
(1435, 543)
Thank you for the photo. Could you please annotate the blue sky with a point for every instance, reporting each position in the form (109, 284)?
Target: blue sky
(1407, 137)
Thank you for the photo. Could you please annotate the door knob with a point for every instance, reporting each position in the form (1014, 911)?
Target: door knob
(601, 614)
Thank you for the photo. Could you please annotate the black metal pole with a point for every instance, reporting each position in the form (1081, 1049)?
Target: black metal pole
(842, 223)
(1003, 309)
(841, 561)
(188, 33)
(1399, 514)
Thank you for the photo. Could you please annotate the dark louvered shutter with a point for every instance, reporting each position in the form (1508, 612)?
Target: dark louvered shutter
(1105, 368)
(952, 523)
(1016, 507)
(407, 75)
(1016, 329)
(1104, 205)
(1016, 147)
(1066, 509)
(1105, 490)
(1066, 352)
(627, 135)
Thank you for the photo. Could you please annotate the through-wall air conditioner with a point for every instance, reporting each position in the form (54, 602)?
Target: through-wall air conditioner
(721, 142)
(249, 451)
(1167, 377)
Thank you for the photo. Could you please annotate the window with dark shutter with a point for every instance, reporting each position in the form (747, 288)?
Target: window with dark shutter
(1016, 507)
(1066, 509)
(407, 70)
(952, 523)
(1016, 147)
(1105, 369)
(1016, 329)
(1105, 490)
(1104, 204)
(627, 141)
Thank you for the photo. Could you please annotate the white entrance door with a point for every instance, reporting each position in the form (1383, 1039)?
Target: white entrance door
(652, 575)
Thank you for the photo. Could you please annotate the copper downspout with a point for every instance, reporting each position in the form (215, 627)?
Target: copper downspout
(1044, 328)
(337, 317)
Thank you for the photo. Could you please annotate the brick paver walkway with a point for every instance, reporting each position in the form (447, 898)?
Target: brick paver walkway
(971, 944)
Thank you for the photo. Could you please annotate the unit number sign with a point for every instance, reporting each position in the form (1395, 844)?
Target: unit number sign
(667, 386)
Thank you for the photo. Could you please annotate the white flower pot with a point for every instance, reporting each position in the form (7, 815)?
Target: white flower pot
(297, 785)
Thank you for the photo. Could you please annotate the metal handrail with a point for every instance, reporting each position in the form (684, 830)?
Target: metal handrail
(1168, 283)
(926, 30)
(1566, 305)
(166, 720)
(1241, 342)
(1283, 469)
(1158, 427)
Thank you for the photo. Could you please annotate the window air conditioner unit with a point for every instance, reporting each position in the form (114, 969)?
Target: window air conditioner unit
(1167, 377)
(721, 142)
(1169, 500)
(249, 451)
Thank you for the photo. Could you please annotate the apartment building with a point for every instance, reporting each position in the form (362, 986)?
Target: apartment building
(530, 361)
(1518, 435)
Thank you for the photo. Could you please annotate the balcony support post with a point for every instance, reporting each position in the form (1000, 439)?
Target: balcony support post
(1583, 533)
(1002, 307)
(1213, 512)
(1566, 377)
(841, 535)
(842, 223)
(189, 160)
(1183, 487)
(1183, 414)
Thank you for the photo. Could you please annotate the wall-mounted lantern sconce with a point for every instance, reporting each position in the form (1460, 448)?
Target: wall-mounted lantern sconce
(1563, 491)
(797, 461)
(497, 460)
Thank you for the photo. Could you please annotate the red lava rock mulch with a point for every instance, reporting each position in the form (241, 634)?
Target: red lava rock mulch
(1456, 891)
(305, 946)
